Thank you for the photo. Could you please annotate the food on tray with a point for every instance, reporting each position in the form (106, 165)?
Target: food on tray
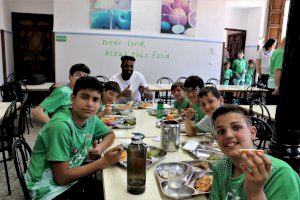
(202, 165)
(152, 153)
(129, 122)
(247, 151)
(173, 111)
(109, 120)
(213, 157)
(124, 156)
(204, 183)
(144, 105)
(163, 174)
(169, 117)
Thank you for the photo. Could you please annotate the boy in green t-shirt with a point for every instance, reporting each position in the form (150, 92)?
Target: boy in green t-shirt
(210, 99)
(227, 73)
(64, 142)
(181, 102)
(192, 86)
(110, 94)
(239, 68)
(60, 98)
(250, 73)
(248, 175)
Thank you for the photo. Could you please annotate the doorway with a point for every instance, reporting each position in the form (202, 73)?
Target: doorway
(33, 45)
(236, 40)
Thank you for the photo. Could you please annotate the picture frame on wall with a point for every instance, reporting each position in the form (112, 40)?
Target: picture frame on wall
(111, 14)
(179, 17)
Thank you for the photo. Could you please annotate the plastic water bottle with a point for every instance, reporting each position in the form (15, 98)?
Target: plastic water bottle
(160, 109)
(136, 165)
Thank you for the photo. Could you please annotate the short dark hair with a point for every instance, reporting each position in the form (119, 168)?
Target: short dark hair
(250, 61)
(226, 63)
(87, 82)
(240, 51)
(193, 82)
(209, 89)
(176, 85)
(112, 85)
(127, 58)
(79, 67)
(269, 43)
(228, 108)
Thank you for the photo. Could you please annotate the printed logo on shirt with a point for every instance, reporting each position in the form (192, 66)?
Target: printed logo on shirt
(231, 196)
(75, 150)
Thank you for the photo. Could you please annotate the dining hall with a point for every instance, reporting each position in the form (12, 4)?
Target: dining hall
(149, 99)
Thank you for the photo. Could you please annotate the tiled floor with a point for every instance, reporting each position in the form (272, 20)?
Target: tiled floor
(16, 190)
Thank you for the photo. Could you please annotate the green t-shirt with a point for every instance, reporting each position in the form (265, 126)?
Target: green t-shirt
(283, 182)
(227, 74)
(184, 105)
(239, 66)
(60, 140)
(276, 63)
(199, 113)
(249, 75)
(58, 100)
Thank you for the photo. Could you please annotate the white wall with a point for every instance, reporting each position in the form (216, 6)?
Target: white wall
(145, 24)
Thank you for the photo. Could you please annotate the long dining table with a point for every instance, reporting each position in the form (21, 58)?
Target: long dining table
(257, 110)
(115, 177)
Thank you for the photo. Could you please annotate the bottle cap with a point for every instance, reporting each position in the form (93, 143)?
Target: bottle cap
(137, 138)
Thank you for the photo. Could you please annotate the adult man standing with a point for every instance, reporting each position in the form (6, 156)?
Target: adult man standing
(132, 83)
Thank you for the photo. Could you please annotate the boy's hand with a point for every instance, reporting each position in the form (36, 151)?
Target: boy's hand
(113, 155)
(95, 152)
(107, 110)
(189, 113)
(256, 167)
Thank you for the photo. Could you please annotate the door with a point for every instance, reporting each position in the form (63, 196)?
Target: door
(33, 45)
(236, 40)
(275, 19)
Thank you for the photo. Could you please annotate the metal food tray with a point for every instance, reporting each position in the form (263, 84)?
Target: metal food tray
(191, 174)
(152, 111)
(121, 123)
(205, 154)
(149, 161)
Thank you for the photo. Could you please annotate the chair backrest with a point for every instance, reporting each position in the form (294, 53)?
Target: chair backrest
(7, 123)
(11, 91)
(164, 80)
(213, 81)
(264, 132)
(264, 111)
(254, 95)
(21, 156)
(181, 79)
(104, 79)
(22, 116)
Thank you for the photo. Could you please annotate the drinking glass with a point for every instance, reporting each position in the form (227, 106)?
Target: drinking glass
(175, 182)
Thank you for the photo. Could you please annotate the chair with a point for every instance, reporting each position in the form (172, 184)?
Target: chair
(213, 81)
(6, 138)
(264, 132)
(264, 113)
(101, 78)
(181, 79)
(254, 95)
(22, 119)
(21, 153)
(167, 97)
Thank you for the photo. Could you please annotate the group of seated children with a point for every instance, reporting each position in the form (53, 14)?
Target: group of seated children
(57, 169)
(240, 73)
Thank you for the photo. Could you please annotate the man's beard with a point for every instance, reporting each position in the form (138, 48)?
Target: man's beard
(126, 76)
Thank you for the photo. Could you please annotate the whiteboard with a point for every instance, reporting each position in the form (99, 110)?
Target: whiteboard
(155, 56)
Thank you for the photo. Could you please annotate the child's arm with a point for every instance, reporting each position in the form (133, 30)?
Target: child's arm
(106, 142)
(190, 128)
(64, 175)
(256, 167)
(39, 114)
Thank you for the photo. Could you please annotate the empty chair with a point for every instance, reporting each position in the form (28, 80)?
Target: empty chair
(164, 95)
(6, 138)
(181, 79)
(21, 153)
(213, 81)
(101, 78)
(264, 133)
(264, 113)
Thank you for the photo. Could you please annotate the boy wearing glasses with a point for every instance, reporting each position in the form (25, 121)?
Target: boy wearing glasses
(192, 86)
